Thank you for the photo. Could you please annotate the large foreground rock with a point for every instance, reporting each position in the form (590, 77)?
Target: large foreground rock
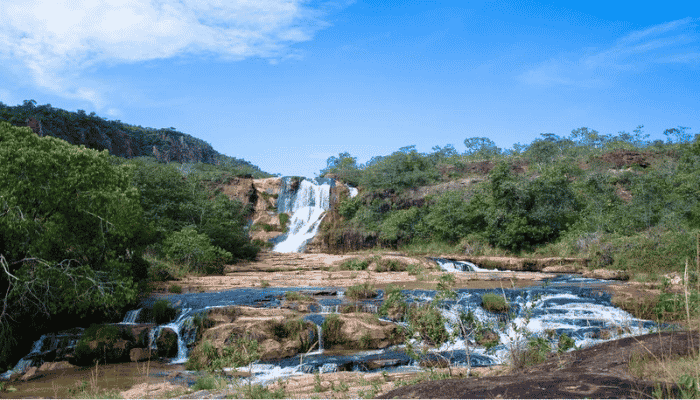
(597, 372)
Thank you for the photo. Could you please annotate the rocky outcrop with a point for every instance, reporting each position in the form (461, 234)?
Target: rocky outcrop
(167, 343)
(120, 139)
(267, 326)
(366, 331)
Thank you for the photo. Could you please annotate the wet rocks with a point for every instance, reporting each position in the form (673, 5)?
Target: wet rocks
(365, 331)
(167, 343)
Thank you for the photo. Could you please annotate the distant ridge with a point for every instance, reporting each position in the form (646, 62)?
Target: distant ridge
(119, 138)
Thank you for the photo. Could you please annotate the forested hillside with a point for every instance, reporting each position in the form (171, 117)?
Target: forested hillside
(84, 234)
(119, 138)
(619, 200)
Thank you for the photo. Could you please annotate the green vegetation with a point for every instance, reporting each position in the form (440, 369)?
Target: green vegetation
(98, 345)
(494, 303)
(361, 291)
(82, 232)
(354, 265)
(332, 331)
(239, 352)
(163, 312)
(618, 200)
(297, 296)
(394, 305)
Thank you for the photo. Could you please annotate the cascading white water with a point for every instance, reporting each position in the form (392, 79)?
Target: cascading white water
(308, 206)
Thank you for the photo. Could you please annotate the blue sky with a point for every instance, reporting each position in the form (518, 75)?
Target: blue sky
(285, 84)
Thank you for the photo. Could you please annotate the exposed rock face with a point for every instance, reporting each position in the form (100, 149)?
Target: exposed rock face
(259, 324)
(626, 158)
(366, 331)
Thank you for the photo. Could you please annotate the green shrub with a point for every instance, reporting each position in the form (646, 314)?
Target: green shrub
(429, 322)
(175, 289)
(361, 291)
(284, 221)
(385, 265)
(201, 356)
(332, 331)
(98, 344)
(355, 265)
(296, 296)
(494, 303)
(565, 343)
(195, 250)
(394, 305)
(163, 312)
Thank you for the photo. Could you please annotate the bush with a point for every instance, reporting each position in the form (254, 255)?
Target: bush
(163, 312)
(361, 291)
(332, 331)
(98, 344)
(355, 265)
(385, 265)
(394, 305)
(429, 322)
(535, 352)
(195, 250)
(494, 303)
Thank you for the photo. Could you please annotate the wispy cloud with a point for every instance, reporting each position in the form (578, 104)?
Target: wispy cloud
(57, 41)
(671, 42)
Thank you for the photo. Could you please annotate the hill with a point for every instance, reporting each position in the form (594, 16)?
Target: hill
(119, 138)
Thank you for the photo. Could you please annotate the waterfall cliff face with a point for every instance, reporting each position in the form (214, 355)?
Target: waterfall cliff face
(307, 201)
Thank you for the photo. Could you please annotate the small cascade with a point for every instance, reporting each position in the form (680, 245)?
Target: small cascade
(131, 317)
(183, 328)
(459, 266)
(353, 191)
(26, 361)
(308, 205)
(319, 331)
(333, 309)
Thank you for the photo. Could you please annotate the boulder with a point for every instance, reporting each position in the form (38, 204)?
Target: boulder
(167, 343)
(51, 366)
(366, 331)
(31, 373)
(139, 354)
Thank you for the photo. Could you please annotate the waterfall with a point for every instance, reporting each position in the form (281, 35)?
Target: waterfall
(131, 316)
(320, 339)
(182, 326)
(308, 205)
(459, 266)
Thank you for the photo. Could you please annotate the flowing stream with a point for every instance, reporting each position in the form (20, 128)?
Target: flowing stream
(567, 306)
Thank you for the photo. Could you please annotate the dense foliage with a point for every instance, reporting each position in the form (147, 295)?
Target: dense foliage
(70, 231)
(81, 231)
(620, 200)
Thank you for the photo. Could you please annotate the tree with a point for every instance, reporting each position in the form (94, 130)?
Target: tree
(70, 229)
(680, 134)
(344, 167)
(481, 147)
(587, 137)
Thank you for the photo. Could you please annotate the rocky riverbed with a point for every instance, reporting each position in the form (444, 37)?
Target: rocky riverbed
(326, 277)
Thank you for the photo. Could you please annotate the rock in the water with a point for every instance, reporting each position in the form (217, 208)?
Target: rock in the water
(30, 374)
(139, 354)
(167, 343)
(51, 366)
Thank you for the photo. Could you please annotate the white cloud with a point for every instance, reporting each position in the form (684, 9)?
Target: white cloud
(56, 41)
(672, 42)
